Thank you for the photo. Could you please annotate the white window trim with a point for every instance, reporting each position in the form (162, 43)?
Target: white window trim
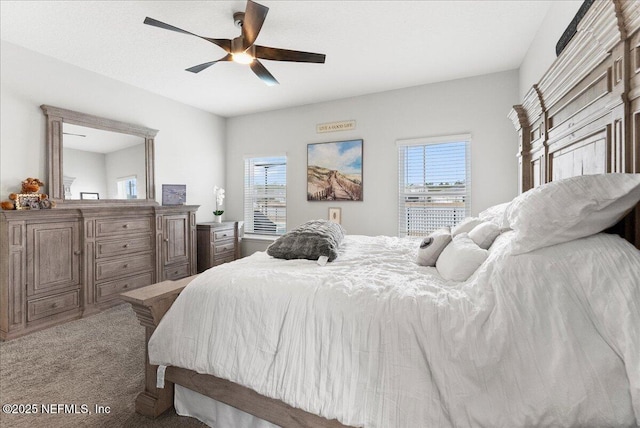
(259, 236)
(443, 139)
(455, 138)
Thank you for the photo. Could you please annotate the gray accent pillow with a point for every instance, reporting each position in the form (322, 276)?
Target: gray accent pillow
(310, 240)
(432, 246)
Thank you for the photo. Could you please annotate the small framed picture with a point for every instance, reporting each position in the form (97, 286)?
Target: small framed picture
(174, 194)
(335, 215)
(89, 195)
(28, 201)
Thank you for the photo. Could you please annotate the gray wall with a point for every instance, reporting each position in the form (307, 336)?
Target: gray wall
(477, 105)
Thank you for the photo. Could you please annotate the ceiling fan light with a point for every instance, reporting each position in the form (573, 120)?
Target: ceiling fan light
(242, 58)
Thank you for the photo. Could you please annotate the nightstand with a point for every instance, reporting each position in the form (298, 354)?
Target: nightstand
(218, 243)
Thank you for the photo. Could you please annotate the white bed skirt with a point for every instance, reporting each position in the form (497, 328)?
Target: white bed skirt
(214, 413)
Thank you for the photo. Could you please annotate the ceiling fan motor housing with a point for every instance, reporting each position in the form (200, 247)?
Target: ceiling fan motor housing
(238, 19)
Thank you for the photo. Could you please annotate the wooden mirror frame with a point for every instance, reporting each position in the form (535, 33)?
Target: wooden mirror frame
(57, 116)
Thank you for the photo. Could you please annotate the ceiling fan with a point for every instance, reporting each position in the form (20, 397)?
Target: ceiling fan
(242, 48)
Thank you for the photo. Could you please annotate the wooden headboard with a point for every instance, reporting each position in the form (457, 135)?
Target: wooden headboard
(583, 116)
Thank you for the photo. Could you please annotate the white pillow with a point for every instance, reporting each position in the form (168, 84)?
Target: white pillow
(484, 234)
(460, 259)
(569, 209)
(432, 246)
(465, 225)
(496, 214)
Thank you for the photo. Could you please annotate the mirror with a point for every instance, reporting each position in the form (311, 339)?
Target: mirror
(102, 164)
(94, 159)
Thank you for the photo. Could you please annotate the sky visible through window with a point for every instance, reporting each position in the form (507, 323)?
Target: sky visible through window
(274, 172)
(435, 163)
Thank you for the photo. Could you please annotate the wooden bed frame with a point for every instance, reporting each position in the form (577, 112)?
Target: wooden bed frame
(583, 117)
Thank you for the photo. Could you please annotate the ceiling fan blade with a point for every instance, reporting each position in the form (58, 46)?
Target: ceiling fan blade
(223, 43)
(160, 24)
(277, 54)
(254, 17)
(200, 67)
(263, 73)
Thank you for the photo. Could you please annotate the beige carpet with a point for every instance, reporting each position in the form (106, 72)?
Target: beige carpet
(97, 360)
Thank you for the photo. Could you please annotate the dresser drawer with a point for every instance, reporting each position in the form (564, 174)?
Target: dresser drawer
(109, 290)
(123, 246)
(176, 272)
(219, 235)
(47, 306)
(126, 266)
(114, 227)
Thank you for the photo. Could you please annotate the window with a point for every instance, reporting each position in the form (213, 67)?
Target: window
(265, 195)
(434, 183)
(127, 188)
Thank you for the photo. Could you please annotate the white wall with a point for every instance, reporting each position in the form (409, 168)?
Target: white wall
(126, 163)
(542, 51)
(477, 105)
(190, 147)
(89, 170)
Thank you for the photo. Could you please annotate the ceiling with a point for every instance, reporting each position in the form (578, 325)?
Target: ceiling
(371, 46)
(97, 140)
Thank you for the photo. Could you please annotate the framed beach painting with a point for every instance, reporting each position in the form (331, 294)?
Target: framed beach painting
(334, 171)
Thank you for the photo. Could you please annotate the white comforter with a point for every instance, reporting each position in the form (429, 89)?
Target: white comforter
(550, 338)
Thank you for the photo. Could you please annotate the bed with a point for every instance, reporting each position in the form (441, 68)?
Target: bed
(536, 336)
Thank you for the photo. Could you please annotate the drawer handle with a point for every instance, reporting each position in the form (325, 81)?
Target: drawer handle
(176, 272)
(224, 235)
(166, 239)
(125, 246)
(77, 252)
(126, 226)
(126, 286)
(54, 305)
(126, 265)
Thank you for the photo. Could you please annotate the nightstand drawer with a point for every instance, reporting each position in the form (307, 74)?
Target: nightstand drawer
(41, 308)
(123, 267)
(222, 248)
(219, 235)
(176, 272)
(217, 243)
(109, 289)
(123, 246)
(122, 226)
(224, 259)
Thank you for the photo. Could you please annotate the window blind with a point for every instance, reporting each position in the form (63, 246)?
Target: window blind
(265, 195)
(434, 183)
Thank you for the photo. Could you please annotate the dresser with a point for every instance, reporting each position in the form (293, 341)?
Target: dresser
(218, 243)
(65, 263)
